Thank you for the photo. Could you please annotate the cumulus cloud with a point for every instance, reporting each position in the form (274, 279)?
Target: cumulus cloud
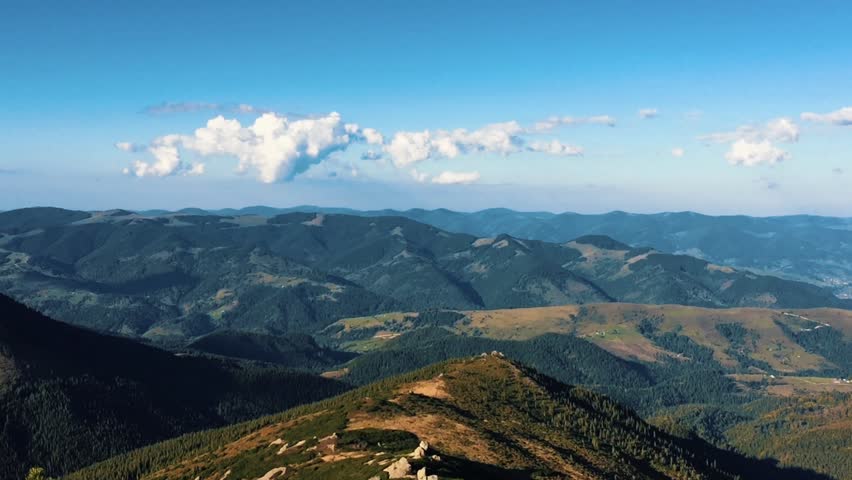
(408, 148)
(555, 147)
(753, 144)
(552, 122)
(372, 136)
(678, 152)
(455, 178)
(781, 129)
(274, 147)
(189, 107)
(837, 117)
(166, 159)
(751, 153)
(648, 113)
(278, 148)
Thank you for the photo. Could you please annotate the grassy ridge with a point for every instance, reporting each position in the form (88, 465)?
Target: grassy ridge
(517, 423)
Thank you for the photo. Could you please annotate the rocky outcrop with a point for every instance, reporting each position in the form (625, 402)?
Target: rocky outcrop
(402, 468)
(421, 475)
(399, 469)
(420, 451)
(274, 474)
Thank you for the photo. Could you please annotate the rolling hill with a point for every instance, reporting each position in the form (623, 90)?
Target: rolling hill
(70, 397)
(767, 383)
(801, 247)
(741, 340)
(810, 431)
(484, 417)
(177, 277)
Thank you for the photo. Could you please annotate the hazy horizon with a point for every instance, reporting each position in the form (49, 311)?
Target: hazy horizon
(216, 209)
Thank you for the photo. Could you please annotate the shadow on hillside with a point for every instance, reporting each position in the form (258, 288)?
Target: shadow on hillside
(455, 467)
(750, 467)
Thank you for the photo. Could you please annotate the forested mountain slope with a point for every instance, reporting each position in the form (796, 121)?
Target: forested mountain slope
(803, 247)
(178, 277)
(483, 417)
(70, 397)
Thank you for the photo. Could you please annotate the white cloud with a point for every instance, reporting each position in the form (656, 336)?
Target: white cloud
(751, 153)
(455, 178)
(273, 146)
(753, 145)
(408, 148)
(166, 159)
(550, 123)
(780, 129)
(647, 113)
(555, 147)
(678, 152)
(372, 136)
(837, 117)
(278, 148)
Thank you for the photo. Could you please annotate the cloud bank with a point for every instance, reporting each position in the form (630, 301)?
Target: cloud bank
(277, 148)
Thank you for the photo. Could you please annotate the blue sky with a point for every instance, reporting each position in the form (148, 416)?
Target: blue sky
(548, 95)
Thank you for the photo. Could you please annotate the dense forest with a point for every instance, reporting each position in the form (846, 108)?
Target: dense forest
(71, 397)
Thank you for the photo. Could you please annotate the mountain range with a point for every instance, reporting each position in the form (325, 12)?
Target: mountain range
(800, 247)
(177, 277)
(173, 323)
